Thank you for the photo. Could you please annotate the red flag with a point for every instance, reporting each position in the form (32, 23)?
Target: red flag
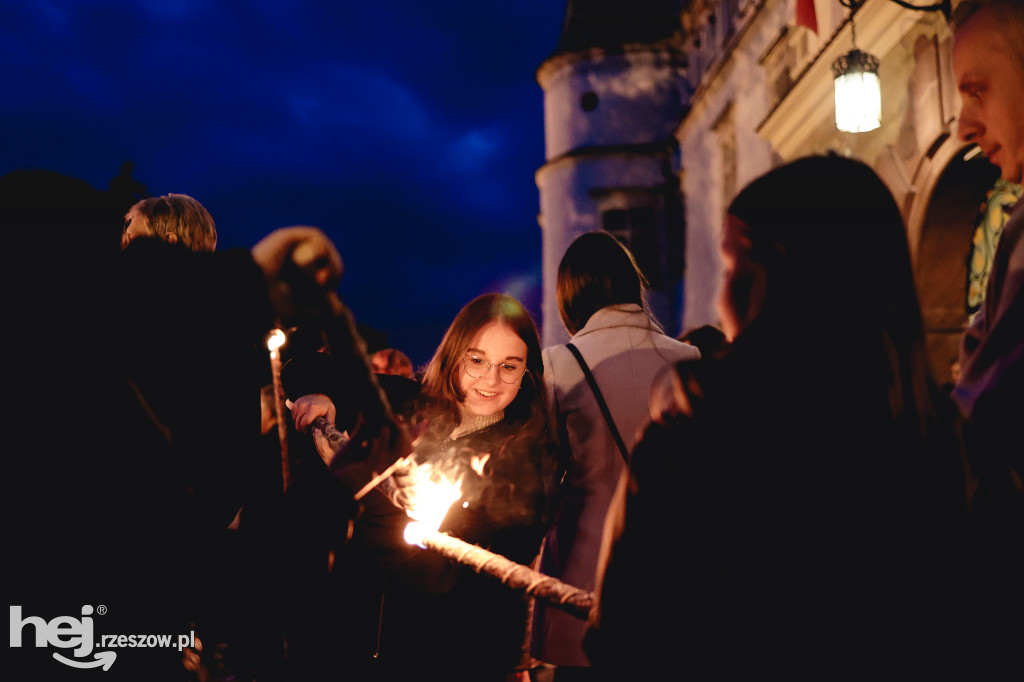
(805, 14)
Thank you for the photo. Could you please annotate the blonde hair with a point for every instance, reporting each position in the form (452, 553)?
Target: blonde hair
(182, 216)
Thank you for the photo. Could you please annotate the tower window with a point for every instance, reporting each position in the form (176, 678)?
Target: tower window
(589, 101)
(636, 228)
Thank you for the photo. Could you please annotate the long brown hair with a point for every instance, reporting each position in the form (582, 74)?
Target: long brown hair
(442, 391)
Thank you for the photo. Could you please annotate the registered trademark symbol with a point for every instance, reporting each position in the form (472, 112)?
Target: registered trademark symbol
(101, 609)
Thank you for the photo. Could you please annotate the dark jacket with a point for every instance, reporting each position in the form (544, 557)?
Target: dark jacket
(790, 523)
(408, 609)
(436, 610)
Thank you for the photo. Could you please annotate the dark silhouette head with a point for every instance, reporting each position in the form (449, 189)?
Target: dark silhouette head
(596, 271)
(828, 241)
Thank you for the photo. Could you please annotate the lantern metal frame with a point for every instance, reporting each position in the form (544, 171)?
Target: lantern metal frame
(858, 70)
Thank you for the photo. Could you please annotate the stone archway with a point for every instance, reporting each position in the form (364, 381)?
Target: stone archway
(942, 238)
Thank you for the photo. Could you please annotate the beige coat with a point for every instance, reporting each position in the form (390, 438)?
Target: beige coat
(625, 351)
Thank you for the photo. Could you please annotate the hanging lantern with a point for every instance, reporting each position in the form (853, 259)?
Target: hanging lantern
(858, 93)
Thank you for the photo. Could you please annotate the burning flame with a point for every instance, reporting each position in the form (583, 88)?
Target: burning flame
(275, 340)
(431, 496)
(479, 462)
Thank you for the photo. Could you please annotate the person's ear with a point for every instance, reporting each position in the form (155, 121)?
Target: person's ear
(172, 238)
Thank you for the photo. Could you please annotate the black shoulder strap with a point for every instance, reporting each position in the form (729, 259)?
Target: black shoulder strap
(600, 401)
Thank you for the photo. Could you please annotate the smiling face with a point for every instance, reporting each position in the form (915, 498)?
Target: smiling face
(989, 72)
(495, 343)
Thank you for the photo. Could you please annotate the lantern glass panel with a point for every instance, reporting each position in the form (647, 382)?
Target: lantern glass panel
(858, 102)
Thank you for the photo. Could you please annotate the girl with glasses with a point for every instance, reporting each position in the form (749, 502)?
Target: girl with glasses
(482, 400)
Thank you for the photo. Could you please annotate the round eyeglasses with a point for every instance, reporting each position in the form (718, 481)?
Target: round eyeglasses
(508, 372)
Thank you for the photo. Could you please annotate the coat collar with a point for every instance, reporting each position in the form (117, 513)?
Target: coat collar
(619, 315)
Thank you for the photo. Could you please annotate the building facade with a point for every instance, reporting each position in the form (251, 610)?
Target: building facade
(764, 95)
(758, 87)
(613, 99)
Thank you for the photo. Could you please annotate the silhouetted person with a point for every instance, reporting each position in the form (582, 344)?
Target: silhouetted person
(141, 404)
(392, 361)
(124, 188)
(708, 338)
(988, 62)
(794, 508)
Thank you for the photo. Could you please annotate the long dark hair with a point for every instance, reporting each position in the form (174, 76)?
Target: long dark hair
(832, 240)
(597, 270)
(442, 391)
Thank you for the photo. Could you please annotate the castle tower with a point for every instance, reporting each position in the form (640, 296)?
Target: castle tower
(614, 95)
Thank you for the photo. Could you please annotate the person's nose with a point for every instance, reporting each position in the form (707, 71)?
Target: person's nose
(491, 378)
(968, 127)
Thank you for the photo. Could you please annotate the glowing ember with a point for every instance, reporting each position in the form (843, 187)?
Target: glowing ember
(478, 463)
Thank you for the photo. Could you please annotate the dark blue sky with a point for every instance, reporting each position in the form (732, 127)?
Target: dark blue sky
(408, 131)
